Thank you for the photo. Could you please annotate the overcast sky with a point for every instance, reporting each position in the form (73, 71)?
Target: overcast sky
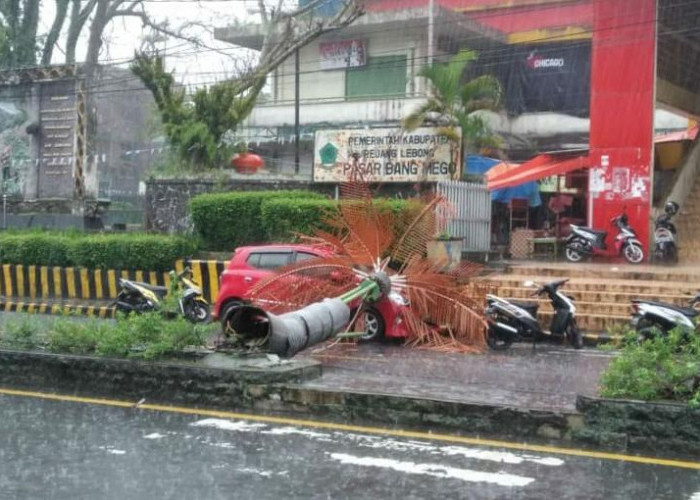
(192, 65)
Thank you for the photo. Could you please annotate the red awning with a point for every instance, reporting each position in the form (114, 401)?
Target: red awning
(539, 167)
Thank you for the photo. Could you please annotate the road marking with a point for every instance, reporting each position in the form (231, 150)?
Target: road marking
(436, 470)
(315, 424)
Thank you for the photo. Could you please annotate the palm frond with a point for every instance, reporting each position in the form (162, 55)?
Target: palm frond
(412, 243)
(483, 92)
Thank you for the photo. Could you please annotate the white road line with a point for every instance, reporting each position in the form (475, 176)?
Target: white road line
(435, 470)
(384, 444)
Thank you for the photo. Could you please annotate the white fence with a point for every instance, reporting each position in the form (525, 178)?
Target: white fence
(470, 217)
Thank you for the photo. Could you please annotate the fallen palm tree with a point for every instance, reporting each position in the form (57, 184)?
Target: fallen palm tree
(376, 255)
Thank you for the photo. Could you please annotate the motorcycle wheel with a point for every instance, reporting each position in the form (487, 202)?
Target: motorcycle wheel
(499, 341)
(673, 255)
(633, 253)
(199, 313)
(574, 336)
(573, 252)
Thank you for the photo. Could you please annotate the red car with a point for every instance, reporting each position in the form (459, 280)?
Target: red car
(251, 264)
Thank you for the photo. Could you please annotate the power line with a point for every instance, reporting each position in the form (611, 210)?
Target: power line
(486, 52)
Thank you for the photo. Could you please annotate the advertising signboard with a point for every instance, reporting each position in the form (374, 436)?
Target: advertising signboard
(342, 54)
(386, 155)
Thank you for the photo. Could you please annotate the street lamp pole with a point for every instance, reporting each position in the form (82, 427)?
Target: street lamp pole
(296, 111)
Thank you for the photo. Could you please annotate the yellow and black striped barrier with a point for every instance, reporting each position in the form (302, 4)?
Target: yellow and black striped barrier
(57, 309)
(43, 282)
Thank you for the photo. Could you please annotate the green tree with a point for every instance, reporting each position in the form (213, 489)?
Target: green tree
(452, 102)
(195, 127)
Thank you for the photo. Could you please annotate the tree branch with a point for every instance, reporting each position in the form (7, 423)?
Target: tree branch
(55, 31)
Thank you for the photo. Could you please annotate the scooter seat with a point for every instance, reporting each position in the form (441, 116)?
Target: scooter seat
(597, 232)
(530, 307)
(686, 311)
(158, 290)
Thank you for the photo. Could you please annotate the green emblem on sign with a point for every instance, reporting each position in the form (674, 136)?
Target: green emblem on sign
(329, 155)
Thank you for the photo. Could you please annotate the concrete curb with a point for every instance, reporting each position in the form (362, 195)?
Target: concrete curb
(267, 388)
(214, 381)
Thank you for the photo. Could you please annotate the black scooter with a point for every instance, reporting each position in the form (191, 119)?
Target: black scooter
(510, 321)
(665, 249)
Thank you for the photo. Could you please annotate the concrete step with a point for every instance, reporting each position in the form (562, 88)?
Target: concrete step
(640, 287)
(520, 293)
(586, 308)
(590, 323)
(607, 271)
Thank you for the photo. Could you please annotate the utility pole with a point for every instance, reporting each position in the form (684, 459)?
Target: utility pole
(296, 111)
(431, 34)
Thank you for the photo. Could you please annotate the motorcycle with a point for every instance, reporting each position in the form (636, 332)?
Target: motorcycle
(650, 318)
(588, 241)
(139, 297)
(510, 321)
(665, 249)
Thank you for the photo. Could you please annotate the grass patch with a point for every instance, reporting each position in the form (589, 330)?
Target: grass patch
(146, 336)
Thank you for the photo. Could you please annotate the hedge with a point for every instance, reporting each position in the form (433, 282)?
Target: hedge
(227, 220)
(107, 251)
(282, 217)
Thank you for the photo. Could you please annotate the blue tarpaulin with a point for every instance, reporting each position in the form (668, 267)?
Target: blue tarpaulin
(476, 164)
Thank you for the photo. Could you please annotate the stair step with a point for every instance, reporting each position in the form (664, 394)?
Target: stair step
(590, 323)
(688, 287)
(520, 293)
(609, 308)
(610, 271)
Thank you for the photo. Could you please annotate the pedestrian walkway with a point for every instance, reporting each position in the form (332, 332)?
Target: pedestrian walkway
(548, 378)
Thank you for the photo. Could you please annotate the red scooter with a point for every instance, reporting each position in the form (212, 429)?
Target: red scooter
(586, 241)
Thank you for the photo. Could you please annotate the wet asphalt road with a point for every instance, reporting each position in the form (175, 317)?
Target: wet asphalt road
(67, 450)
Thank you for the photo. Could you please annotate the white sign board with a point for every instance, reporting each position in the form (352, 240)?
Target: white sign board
(386, 155)
(342, 54)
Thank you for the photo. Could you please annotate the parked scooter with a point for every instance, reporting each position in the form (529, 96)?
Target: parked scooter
(510, 321)
(584, 241)
(650, 318)
(665, 249)
(139, 297)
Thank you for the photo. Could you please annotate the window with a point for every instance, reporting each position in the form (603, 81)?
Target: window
(380, 77)
(273, 260)
(253, 260)
(302, 256)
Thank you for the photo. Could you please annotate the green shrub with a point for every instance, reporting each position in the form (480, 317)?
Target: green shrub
(131, 251)
(660, 368)
(227, 220)
(282, 217)
(147, 336)
(71, 336)
(109, 251)
(21, 333)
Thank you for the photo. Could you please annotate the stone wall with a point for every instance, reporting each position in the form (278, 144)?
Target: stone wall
(640, 426)
(220, 384)
(167, 199)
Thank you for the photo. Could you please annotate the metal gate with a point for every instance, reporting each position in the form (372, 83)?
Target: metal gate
(470, 217)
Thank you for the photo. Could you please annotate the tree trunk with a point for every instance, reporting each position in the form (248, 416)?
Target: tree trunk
(26, 48)
(97, 26)
(55, 32)
(73, 32)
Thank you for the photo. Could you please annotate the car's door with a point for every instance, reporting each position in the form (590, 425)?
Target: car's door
(262, 263)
